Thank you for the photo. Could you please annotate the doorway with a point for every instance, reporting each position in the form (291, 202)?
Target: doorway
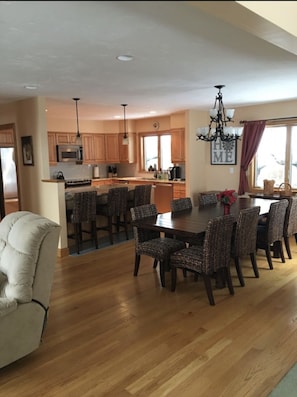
(9, 197)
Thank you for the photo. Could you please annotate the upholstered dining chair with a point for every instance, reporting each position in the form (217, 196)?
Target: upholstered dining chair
(244, 240)
(270, 233)
(181, 204)
(150, 243)
(207, 199)
(115, 210)
(290, 225)
(213, 257)
(83, 212)
(140, 195)
(184, 204)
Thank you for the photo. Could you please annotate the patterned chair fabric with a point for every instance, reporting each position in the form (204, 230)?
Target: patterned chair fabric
(84, 211)
(115, 210)
(180, 204)
(213, 257)
(150, 243)
(142, 195)
(270, 233)
(183, 204)
(290, 225)
(207, 199)
(244, 240)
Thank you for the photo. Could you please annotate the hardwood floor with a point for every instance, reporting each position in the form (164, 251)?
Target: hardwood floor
(112, 334)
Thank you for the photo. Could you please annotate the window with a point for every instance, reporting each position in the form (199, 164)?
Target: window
(276, 158)
(156, 151)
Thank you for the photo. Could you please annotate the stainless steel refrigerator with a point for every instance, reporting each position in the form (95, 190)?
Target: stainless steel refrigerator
(8, 181)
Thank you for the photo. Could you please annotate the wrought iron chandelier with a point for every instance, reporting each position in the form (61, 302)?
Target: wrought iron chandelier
(78, 139)
(125, 137)
(218, 128)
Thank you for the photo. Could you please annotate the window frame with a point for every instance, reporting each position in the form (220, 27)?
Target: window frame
(289, 124)
(142, 135)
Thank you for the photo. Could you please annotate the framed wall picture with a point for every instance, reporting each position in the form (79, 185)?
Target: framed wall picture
(27, 150)
(222, 152)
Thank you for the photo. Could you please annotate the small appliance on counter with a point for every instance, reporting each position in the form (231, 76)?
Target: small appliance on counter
(96, 173)
(174, 173)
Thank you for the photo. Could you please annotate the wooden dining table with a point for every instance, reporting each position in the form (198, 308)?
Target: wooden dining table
(190, 223)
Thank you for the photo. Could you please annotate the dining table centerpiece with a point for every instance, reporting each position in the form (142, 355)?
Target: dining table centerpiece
(227, 198)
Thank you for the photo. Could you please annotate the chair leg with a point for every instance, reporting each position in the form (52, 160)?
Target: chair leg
(281, 251)
(239, 271)
(136, 265)
(77, 236)
(207, 283)
(287, 245)
(162, 273)
(110, 229)
(94, 233)
(126, 226)
(229, 280)
(173, 278)
(254, 263)
(268, 256)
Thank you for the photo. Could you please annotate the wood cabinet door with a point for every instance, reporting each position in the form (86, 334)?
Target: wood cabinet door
(65, 138)
(178, 145)
(99, 148)
(112, 148)
(88, 148)
(52, 152)
(179, 191)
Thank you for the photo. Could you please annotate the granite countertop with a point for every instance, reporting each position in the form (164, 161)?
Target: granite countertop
(148, 179)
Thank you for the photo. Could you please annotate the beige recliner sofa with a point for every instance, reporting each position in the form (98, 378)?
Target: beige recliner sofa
(28, 253)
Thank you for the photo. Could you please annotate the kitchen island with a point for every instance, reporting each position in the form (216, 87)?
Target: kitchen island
(163, 190)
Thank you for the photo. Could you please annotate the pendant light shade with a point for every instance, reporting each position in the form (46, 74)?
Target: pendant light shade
(125, 137)
(78, 139)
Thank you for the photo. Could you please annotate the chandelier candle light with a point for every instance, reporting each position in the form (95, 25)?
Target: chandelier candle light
(218, 128)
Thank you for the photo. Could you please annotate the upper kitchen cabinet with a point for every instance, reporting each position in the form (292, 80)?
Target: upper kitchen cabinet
(127, 152)
(178, 145)
(65, 138)
(52, 152)
(112, 151)
(93, 148)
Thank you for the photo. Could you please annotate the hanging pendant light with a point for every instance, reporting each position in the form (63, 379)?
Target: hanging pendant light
(78, 139)
(125, 137)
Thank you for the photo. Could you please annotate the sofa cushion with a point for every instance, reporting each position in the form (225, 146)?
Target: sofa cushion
(20, 241)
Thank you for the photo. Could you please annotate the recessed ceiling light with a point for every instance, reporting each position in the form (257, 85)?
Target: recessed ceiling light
(125, 57)
(31, 86)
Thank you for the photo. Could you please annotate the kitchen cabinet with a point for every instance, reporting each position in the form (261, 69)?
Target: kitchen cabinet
(52, 152)
(112, 152)
(179, 190)
(93, 148)
(101, 182)
(127, 152)
(178, 145)
(65, 138)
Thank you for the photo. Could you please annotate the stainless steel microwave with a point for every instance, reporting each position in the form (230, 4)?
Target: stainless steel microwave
(69, 153)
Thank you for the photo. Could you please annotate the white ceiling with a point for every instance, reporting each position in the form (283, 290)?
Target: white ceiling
(181, 49)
